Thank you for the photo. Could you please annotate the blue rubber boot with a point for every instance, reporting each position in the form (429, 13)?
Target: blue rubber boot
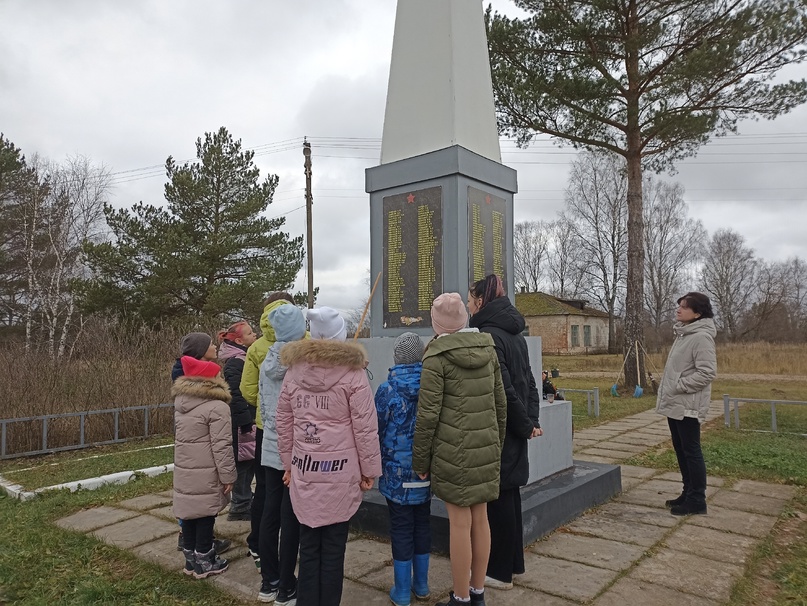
(420, 576)
(401, 592)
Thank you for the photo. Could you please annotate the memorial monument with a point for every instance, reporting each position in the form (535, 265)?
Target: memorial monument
(441, 218)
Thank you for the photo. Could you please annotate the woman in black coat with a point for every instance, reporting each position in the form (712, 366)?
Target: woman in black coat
(492, 312)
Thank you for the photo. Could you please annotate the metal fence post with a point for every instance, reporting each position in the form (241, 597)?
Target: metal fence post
(44, 433)
(145, 422)
(3, 439)
(736, 413)
(81, 431)
(726, 410)
(773, 417)
(117, 422)
(596, 401)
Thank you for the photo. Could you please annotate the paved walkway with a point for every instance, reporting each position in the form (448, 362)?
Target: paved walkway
(629, 551)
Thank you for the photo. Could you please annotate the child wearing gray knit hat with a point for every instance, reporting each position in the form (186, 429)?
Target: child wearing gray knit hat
(408, 497)
(407, 349)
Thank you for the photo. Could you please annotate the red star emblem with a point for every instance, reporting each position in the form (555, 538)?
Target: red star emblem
(410, 198)
(487, 199)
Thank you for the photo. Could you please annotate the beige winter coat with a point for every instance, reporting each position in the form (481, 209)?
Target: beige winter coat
(203, 451)
(686, 387)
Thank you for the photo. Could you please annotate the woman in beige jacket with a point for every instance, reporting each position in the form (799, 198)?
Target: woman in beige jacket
(685, 393)
(204, 466)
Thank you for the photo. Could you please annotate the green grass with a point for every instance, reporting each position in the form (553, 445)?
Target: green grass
(611, 408)
(738, 454)
(47, 470)
(41, 564)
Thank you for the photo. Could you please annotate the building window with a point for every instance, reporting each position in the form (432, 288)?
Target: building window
(575, 336)
(587, 336)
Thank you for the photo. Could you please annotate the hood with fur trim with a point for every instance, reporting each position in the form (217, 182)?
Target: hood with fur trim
(189, 392)
(318, 365)
(324, 353)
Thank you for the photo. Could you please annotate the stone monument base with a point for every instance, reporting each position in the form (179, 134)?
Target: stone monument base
(546, 504)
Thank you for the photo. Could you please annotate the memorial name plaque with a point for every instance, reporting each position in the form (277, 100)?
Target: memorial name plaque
(413, 256)
(487, 252)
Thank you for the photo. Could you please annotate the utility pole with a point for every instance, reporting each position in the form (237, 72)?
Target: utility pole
(309, 201)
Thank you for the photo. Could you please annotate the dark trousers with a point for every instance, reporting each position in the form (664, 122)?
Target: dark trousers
(322, 564)
(197, 534)
(506, 536)
(280, 533)
(258, 499)
(241, 498)
(686, 439)
(409, 530)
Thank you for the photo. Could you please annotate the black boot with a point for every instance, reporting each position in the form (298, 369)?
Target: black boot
(478, 599)
(677, 501)
(688, 508)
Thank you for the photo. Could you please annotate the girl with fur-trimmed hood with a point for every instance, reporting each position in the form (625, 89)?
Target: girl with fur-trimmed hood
(204, 467)
(327, 434)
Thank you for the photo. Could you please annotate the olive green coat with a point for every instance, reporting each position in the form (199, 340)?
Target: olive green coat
(461, 418)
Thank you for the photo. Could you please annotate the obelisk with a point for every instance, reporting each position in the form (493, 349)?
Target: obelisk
(441, 201)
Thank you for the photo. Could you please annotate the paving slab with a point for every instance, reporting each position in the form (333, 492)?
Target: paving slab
(739, 522)
(628, 482)
(630, 592)
(566, 579)
(638, 513)
(689, 574)
(675, 476)
(440, 580)
(91, 519)
(146, 502)
(164, 512)
(637, 472)
(241, 579)
(595, 459)
(602, 526)
(595, 551)
(588, 434)
(231, 529)
(731, 499)
(646, 441)
(777, 491)
(167, 493)
(358, 594)
(135, 531)
(580, 443)
(518, 596)
(608, 454)
(712, 544)
(363, 556)
(162, 552)
(621, 447)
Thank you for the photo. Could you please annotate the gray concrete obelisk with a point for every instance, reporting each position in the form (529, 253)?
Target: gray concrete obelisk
(441, 201)
(441, 217)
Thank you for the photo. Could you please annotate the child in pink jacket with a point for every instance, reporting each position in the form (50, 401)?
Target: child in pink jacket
(327, 434)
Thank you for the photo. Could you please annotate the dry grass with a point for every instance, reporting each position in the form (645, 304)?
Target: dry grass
(116, 367)
(732, 358)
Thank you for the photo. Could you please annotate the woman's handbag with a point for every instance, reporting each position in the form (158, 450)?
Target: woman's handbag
(246, 444)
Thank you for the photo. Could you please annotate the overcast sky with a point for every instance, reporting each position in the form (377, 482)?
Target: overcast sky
(129, 83)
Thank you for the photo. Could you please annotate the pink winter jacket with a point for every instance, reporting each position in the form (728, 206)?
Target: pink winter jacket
(327, 430)
(203, 447)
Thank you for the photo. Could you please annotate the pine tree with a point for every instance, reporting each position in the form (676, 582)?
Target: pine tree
(209, 252)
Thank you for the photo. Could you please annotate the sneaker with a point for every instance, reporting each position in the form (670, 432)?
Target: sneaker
(452, 601)
(478, 599)
(688, 509)
(256, 557)
(207, 564)
(268, 592)
(497, 584)
(286, 598)
(222, 545)
(239, 516)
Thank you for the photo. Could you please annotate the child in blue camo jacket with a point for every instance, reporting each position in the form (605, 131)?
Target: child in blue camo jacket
(408, 497)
